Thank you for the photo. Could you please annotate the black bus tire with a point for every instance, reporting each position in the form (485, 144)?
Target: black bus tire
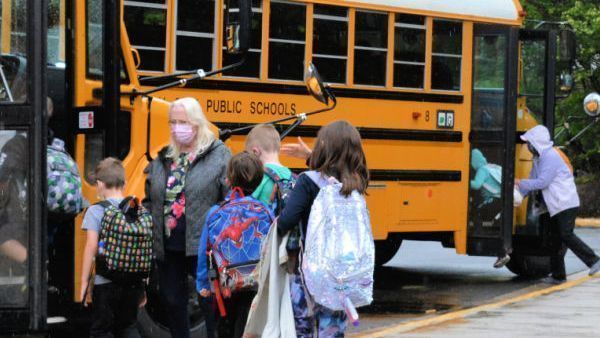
(149, 328)
(386, 249)
(529, 266)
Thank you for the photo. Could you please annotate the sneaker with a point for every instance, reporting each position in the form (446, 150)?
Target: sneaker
(553, 281)
(595, 268)
(501, 261)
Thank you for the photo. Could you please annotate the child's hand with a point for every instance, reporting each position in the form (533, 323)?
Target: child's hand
(204, 293)
(83, 295)
(299, 150)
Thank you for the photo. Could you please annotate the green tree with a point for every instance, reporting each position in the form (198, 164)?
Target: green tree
(584, 18)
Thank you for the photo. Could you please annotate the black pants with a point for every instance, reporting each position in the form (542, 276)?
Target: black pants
(174, 293)
(114, 310)
(237, 307)
(562, 225)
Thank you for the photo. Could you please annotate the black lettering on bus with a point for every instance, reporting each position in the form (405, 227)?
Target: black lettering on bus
(252, 107)
(238, 107)
(209, 105)
(293, 109)
(281, 108)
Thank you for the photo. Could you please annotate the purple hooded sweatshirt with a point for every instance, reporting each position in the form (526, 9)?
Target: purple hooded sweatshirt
(550, 173)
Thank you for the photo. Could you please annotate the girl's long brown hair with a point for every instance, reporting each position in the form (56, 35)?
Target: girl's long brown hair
(338, 152)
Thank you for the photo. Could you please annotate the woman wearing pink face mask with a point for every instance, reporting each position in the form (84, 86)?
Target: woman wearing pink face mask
(183, 182)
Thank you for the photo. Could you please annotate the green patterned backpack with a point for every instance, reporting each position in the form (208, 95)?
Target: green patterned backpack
(125, 241)
(64, 182)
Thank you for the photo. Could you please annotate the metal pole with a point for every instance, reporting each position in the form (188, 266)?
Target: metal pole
(111, 79)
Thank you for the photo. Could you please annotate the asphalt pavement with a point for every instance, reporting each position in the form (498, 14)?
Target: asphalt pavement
(424, 280)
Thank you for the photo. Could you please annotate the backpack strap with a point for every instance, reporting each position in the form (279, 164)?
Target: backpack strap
(320, 180)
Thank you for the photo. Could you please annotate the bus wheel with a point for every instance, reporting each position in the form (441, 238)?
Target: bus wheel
(386, 249)
(529, 266)
(152, 320)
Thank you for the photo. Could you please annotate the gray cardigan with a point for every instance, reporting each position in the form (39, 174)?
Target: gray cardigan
(204, 187)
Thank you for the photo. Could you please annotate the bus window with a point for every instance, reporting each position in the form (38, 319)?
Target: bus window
(533, 56)
(195, 35)
(146, 23)
(447, 55)
(13, 60)
(95, 43)
(56, 31)
(330, 42)
(251, 67)
(14, 220)
(370, 48)
(409, 51)
(488, 82)
(94, 39)
(287, 39)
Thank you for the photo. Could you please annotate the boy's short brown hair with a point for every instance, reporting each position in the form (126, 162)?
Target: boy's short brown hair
(265, 137)
(245, 171)
(109, 171)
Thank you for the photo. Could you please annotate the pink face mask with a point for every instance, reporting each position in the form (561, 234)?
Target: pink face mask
(183, 133)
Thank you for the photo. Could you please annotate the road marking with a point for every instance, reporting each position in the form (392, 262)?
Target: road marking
(588, 222)
(416, 324)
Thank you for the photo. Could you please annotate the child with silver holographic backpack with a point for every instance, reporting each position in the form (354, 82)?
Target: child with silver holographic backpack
(336, 271)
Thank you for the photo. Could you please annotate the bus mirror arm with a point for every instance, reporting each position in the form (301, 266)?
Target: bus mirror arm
(225, 134)
(578, 135)
(195, 72)
(199, 74)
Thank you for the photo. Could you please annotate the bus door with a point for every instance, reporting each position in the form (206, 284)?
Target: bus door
(22, 166)
(98, 73)
(492, 139)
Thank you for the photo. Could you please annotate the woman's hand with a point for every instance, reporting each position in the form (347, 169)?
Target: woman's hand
(204, 293)
(299, 150)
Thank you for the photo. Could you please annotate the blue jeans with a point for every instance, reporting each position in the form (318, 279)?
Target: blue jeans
(326, 322)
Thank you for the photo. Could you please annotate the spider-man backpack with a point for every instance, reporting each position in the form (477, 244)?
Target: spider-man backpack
(236, 229)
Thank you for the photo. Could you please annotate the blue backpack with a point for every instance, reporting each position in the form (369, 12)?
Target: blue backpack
(236, 229)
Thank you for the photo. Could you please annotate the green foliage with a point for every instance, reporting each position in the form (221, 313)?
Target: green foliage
(584, 18)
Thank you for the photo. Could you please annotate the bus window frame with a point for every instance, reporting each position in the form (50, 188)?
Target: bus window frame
(260, 51)
(345, 57)
(214, 36)
(164, 7)
(356, 47)
(447, 55)
(425, 29)
(287, 41)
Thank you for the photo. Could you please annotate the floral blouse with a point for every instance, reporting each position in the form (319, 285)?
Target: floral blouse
(174, 207)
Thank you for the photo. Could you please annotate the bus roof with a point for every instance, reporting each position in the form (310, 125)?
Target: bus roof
(507, 12)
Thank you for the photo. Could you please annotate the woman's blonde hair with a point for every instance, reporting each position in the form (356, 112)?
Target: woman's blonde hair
(204, 136)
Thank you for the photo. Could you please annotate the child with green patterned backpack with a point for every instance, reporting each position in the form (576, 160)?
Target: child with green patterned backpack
(119, 239)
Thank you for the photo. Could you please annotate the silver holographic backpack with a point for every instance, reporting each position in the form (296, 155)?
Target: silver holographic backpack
(339, 252)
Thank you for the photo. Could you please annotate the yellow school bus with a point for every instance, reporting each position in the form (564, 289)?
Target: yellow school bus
(427, 85)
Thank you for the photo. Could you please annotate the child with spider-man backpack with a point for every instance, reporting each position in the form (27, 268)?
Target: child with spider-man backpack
(230, 245)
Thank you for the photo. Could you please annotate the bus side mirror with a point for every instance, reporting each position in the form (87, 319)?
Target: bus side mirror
(237, 32)
(567, 48)
(315, 85)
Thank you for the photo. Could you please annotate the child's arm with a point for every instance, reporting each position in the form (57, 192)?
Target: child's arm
(479, 179)
(298, 203)
(202, 282)
(90, 251)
